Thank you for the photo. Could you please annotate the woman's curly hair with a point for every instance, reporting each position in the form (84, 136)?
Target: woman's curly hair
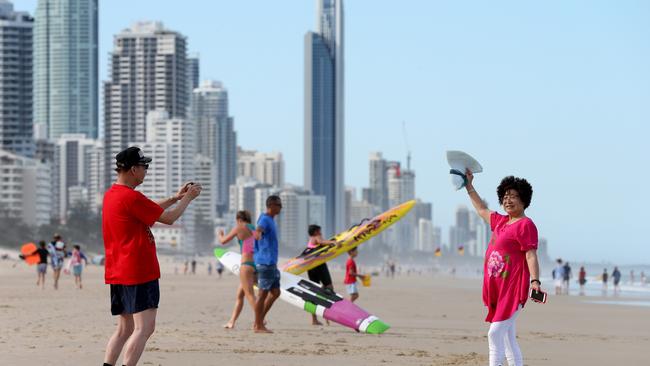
(523, 188)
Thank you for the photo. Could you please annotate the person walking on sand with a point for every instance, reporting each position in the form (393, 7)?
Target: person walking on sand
(57, 257)
(605, 278)
(567, 277)
(582, 279)
(266, 261)
(244, 232)
(131, 267)
(219, 269)
(76, 263)
(558, 276)
(616, 279)
(193, 264)
(351, 275)
(511, 267)
(41, 268)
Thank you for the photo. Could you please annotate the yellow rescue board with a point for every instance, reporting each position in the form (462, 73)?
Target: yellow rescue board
(347, 240)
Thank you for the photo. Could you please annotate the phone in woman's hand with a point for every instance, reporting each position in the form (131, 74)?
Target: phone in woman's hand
(537, 296)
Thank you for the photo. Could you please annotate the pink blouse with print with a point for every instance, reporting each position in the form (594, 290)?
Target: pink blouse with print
(506, 278)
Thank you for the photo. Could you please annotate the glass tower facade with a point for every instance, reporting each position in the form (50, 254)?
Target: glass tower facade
(324, 122)
(66, 67)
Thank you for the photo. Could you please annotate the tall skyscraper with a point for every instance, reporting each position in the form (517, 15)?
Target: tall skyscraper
(16, 128)
(216, 136)
(147, 72)
(378, 188)
(324, 111)
(171, 144)
(66, 67)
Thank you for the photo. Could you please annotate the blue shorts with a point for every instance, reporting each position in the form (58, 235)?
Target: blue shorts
(131, 299)
(268, 277)
(352, 288)
(76, 269)
(42, 268)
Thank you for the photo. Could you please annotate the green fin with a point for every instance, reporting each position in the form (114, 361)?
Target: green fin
(377, 327)
(219, 252)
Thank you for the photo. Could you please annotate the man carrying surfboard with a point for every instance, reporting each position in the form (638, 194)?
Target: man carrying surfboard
(266, 262)
(131, 266)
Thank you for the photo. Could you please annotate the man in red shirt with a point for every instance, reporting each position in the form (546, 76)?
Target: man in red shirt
(131, 264)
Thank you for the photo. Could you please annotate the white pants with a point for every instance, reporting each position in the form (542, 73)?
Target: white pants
(502, 341)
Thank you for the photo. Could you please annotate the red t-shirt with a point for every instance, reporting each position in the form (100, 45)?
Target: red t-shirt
(129, 245)
(506, 277)
(350, 267)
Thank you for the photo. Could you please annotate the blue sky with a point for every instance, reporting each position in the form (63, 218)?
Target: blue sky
(556, 91)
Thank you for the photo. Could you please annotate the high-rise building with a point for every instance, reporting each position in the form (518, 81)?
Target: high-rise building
(75, 170)
(16, 127)
(425, 235)
(25, 186)
(193, 74)
(300, 208)
(147, 72)
(264, 167)
(206, 202)
(460, 234)
(378, 188)
(401, 188)
(66, 67)
(171, 144)
(324, 111)
(216, 136)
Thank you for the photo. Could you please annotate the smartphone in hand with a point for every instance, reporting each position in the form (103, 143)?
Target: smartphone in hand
(537, 296)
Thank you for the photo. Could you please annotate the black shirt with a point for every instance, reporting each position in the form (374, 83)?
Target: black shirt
(43, 253)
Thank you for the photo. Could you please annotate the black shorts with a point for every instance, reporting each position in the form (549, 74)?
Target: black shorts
(320, 274)
(131, 299)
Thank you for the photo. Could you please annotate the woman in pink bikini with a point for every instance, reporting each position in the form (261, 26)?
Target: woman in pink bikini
(511, 265)
(244, 231)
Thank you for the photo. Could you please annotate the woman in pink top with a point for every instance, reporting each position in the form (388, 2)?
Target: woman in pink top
(244, 231)
(510, 267)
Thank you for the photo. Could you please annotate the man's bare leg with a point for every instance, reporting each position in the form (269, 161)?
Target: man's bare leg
(145, 324)
(117, 340)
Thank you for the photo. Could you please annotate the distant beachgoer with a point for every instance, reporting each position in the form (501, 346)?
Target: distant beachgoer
(41, 268)
(131, 268)
(244, 232)
(57, 255)
(616, 278)
(605, 277)
(321, 273)
(558, 276)
(351, 275)
(219, 268)
(511, 266)
(185, 266)
(76, 265)
(582, 279)
(643, 278)
(209, 268)
(266, 262)
(566, 279)
(392, 269)
(631, 277)
(193, 266)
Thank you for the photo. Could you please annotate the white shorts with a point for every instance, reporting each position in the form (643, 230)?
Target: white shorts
(352, 288)
(559, 283)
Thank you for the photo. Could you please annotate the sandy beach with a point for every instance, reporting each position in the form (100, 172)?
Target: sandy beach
(435, 321)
